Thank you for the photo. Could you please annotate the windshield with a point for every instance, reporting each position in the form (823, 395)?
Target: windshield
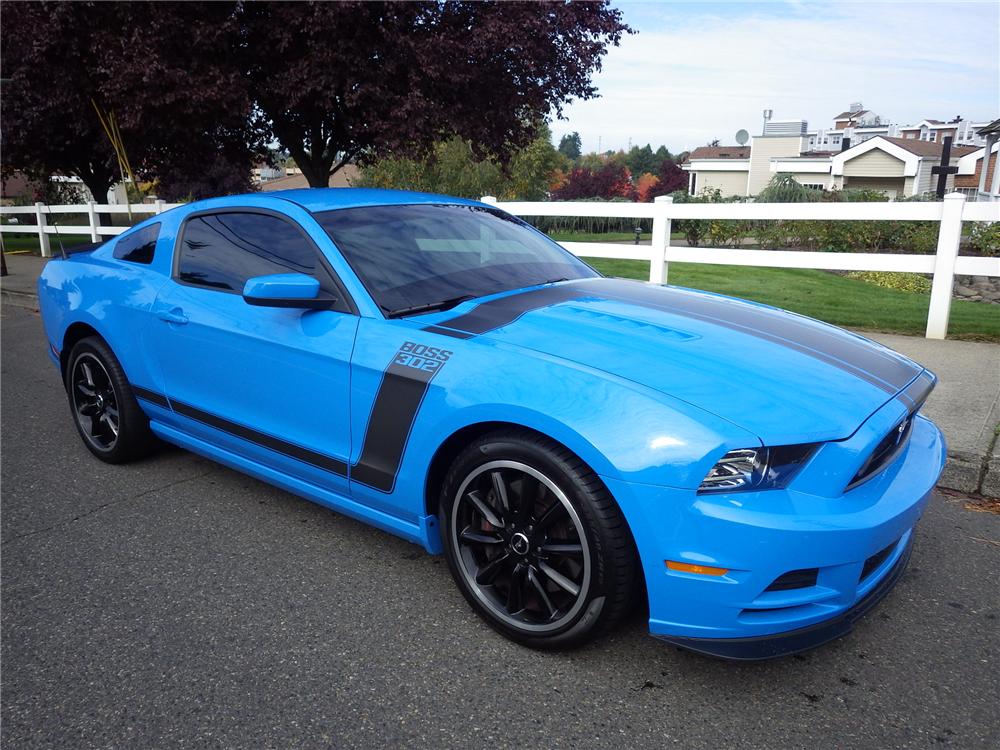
(418, 258)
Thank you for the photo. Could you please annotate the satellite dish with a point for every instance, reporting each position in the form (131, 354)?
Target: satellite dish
(742, 137)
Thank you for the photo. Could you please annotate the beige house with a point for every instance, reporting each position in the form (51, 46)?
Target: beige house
(722, 168)
(898, 167)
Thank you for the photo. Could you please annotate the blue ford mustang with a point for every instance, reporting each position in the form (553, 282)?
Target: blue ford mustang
(439, 369)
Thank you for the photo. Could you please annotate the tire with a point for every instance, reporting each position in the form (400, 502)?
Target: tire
(110, 422)
(535, 541)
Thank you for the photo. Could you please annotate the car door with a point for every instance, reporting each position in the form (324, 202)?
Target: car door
(269, 383)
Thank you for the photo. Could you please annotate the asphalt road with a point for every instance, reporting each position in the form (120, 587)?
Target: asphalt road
(176, 603)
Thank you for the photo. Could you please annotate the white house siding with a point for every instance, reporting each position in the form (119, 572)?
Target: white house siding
(728, 183)
(763, 149)
(874, 163)
(927, 180)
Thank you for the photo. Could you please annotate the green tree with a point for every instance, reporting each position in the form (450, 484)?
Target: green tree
(662, 153)
(571, 146)
(642, 160)
(453, 168)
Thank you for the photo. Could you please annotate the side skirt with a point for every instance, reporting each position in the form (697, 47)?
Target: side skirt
(424, 533)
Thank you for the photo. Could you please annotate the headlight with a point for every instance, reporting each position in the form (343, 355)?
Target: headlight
(756, 468)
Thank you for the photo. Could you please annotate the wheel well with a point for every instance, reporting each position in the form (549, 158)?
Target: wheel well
(448, 451)
(74, 333)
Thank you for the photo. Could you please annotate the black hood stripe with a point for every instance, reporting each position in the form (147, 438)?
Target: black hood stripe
(497, 313)
(855, 356)
(786, 328)
(914, 395)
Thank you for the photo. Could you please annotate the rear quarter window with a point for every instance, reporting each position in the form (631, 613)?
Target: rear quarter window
(139, 246)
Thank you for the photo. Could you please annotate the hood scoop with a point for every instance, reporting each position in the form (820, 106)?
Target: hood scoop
(619, 324)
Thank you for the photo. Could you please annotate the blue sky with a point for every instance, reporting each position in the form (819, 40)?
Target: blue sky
(699, 71)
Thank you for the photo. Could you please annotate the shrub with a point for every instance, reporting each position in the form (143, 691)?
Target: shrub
(984, 238)
(697, 230)
(904, 282)
(783, 188)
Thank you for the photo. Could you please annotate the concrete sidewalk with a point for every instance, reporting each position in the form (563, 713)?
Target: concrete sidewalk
(965, 404)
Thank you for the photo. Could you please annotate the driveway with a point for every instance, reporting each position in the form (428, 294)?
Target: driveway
(176, 603)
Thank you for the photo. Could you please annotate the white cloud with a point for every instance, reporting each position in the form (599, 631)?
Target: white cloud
(695, 74)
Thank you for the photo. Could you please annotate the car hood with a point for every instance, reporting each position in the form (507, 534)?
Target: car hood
(786, 378)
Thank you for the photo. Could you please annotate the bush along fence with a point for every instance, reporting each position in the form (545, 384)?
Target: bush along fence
(940, 225)
(945, 218)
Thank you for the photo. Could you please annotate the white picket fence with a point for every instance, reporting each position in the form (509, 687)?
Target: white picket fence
(944, 264)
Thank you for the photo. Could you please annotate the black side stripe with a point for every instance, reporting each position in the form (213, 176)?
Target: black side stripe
(319, 460)
(151, 396)
(397, 401)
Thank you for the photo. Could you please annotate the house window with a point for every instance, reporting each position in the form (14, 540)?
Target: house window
(934, 136)
(813, 185)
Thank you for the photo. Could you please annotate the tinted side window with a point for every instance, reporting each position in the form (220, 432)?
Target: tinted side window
(138, 247)
(223, 250)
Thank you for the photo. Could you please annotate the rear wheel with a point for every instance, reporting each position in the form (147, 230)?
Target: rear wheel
(107, 416)
(535, 541)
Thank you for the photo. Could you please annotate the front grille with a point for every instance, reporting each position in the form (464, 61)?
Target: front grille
(884, 452)
(872, 563)
(794, 579)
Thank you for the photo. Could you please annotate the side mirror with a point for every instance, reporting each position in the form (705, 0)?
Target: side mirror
(284, 290)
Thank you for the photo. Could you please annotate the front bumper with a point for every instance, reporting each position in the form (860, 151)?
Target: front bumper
(854, 546)
(794, 641)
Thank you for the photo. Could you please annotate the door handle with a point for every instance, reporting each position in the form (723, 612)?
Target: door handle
(173, 315)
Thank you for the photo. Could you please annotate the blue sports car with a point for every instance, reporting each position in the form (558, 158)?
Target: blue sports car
(572, 443)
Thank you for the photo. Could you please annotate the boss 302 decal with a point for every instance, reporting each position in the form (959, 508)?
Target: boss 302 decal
(402, 390)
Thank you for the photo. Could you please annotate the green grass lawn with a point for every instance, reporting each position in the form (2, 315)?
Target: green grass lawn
(15, 243)
(818, 294)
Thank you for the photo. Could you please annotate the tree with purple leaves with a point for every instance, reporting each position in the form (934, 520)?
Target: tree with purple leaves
(612, 180)
(200, 89)
(164, 69)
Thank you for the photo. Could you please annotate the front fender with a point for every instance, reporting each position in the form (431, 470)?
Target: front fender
(619, 428)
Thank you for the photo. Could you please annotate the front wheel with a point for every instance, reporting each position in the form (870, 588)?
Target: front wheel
(535, 542)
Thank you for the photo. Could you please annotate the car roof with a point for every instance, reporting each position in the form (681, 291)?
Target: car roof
(328, 199)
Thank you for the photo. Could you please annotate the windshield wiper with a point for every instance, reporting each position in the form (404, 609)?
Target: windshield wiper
(445, 304)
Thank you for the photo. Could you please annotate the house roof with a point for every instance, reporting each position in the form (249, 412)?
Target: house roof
(927, 148)
(850, 115)
(342, 178)
(720, 152)
(989, 128)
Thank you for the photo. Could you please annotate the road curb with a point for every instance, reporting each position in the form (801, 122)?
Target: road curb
(25, 300)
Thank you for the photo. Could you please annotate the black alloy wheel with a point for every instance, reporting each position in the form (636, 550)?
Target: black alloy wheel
(535, 542)
(94, 402)
(109, 419)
